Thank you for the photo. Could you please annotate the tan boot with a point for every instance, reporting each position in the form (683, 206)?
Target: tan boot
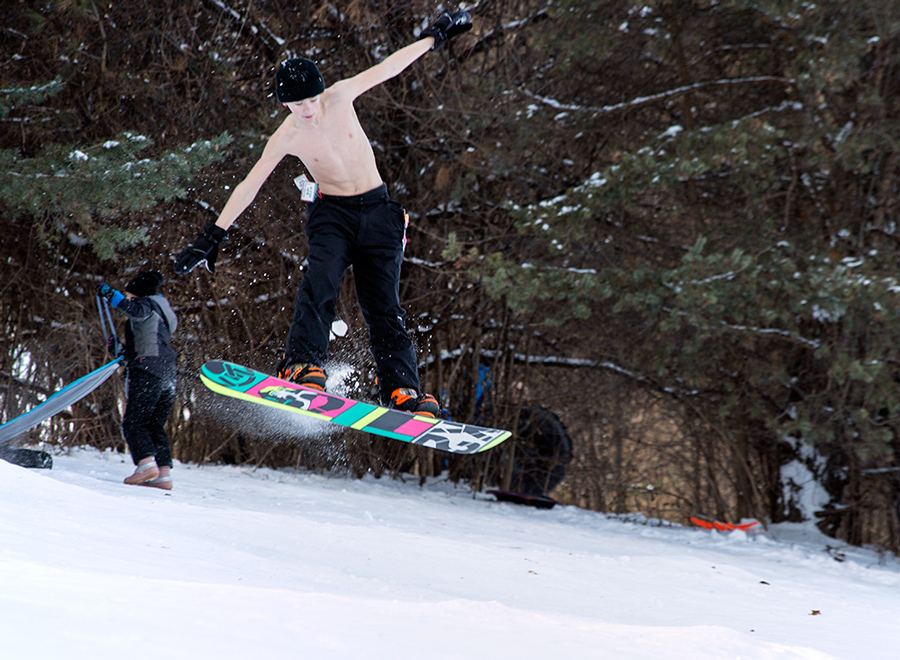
(143, 473)
(165, 483)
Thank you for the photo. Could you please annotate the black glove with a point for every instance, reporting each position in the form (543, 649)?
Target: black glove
(448, 26)
(204, 249)
(105, 291)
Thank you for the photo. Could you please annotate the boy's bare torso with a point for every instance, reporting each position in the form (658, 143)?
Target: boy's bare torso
(328, 138)
(334, 147)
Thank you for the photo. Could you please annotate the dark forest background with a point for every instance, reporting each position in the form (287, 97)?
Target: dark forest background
(671, 223)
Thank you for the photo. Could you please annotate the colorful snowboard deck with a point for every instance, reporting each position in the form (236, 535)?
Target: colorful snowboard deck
(240, 382)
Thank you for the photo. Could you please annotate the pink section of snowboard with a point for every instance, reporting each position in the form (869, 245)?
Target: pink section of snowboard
(319, 402)
(414, 427)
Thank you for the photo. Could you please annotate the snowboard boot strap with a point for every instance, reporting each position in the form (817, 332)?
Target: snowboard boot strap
(409, 400)
(307, 375)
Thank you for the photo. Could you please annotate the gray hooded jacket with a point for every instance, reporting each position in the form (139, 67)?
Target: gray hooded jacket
(151, 323)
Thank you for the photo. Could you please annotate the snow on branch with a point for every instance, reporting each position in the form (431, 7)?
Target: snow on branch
(506, 28)
(271, 41)
(553, 360)
(423, 263)
(206, 206)
(784, 105)
(643, 100)
(812, 343)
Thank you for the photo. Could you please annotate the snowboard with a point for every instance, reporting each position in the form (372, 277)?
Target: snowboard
(241, 382)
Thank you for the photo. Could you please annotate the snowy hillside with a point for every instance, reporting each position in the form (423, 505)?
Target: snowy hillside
(243, 563)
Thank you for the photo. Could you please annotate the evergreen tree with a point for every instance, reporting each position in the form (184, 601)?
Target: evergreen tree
(733, 208)
(77, 192)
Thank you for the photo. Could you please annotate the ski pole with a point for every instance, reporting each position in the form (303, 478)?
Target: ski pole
(103, 306)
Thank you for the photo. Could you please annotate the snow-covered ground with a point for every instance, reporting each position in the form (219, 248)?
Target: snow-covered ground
(244, 563)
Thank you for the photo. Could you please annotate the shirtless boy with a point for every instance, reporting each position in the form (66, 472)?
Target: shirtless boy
(351, 220)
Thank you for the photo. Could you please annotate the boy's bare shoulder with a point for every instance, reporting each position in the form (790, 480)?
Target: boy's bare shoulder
(286, 130)
(343, 91)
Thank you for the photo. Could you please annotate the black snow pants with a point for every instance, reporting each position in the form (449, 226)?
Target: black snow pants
(368, 232)
(149, 401)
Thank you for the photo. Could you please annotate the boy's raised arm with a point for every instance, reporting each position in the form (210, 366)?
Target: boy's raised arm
(205, 248)
(444, 28)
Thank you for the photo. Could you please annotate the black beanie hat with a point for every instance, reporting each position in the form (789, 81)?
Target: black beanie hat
(298, 79)
(145, 284)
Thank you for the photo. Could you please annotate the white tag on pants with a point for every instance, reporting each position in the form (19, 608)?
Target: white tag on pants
(308, 189)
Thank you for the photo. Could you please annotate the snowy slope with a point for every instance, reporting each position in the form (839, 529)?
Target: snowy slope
(241, 563)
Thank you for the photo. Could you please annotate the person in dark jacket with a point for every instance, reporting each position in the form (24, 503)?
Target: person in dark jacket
(150, 373)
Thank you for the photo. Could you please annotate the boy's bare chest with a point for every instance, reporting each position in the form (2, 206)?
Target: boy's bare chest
(332, 141)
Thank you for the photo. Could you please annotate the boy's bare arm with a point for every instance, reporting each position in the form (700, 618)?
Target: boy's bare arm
(205, 247)
(389, 67)
(245, 192)
(447, 26)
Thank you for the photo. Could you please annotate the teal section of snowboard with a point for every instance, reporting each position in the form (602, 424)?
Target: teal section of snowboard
(355, 414)
(250, 385)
